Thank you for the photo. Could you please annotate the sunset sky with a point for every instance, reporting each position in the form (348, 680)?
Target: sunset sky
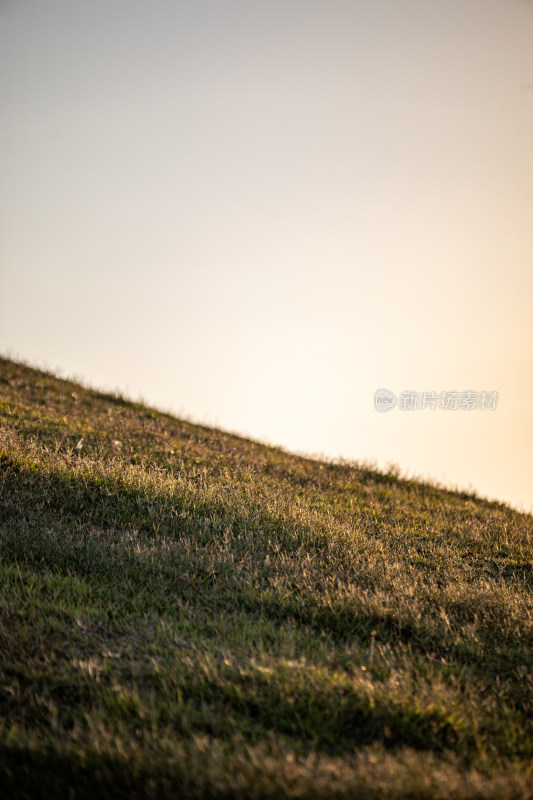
(256, 214)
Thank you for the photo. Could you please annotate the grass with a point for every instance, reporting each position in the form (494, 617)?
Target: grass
(188, 614)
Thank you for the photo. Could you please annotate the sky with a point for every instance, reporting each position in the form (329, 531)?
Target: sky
(257, 214)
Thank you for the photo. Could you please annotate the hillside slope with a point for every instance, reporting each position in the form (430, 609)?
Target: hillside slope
(185, 613)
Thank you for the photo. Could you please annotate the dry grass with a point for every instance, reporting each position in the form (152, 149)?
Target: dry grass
(185, 613)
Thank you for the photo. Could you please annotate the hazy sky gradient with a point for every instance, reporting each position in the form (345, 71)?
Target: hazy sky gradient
(258, 213)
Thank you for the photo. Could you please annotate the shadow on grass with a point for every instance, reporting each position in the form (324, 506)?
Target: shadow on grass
(46, 774)
(34, 501)
(332, 720)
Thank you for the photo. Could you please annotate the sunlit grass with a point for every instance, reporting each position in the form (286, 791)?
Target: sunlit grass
(185, 613)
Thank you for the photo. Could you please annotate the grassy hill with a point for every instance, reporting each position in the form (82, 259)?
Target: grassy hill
(185, 613)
